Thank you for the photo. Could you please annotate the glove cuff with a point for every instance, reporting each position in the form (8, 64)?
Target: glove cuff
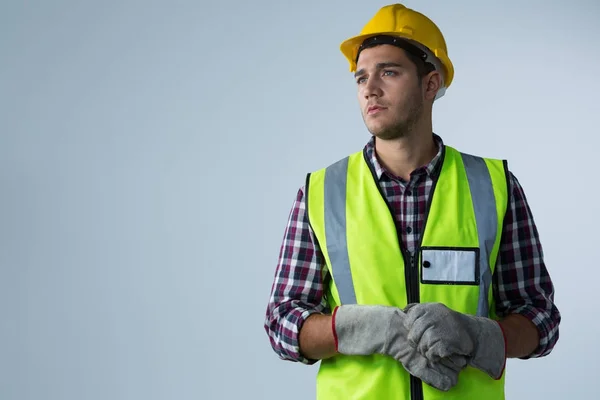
(361, 329)
(335, 336)
(505, 350)
(490, 356)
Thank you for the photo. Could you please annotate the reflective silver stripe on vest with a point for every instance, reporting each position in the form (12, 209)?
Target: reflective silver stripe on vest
(336, 180)
(484, 205)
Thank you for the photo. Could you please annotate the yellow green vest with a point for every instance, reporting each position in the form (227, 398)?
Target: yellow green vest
(453, 264)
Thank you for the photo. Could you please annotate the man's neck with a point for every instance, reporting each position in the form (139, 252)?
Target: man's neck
(403, 155)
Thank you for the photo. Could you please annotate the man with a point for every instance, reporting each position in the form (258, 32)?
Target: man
(409, 269)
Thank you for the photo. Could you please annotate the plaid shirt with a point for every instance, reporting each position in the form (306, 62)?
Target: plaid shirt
(521, 284)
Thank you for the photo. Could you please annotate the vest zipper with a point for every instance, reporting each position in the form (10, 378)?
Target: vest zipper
(411, 275)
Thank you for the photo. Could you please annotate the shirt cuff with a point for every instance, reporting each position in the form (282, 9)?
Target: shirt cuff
(289, 334)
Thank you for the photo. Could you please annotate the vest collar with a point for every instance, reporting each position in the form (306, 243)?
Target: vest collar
(431, 169)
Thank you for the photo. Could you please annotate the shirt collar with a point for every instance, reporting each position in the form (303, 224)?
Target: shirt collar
(431, 168)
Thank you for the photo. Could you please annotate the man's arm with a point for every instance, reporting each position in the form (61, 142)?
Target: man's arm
(521, 335)
(522, 286)
(316, 337)
(297, 303)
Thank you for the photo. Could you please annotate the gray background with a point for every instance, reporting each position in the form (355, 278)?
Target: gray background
(150, 153)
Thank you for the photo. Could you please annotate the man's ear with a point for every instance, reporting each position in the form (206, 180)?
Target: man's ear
(433, 83)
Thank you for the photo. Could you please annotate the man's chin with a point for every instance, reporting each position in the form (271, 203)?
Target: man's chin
(378, 129)
(390, 133)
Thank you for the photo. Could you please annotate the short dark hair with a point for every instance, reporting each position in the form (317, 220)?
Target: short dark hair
(414, 54)
(423, 68)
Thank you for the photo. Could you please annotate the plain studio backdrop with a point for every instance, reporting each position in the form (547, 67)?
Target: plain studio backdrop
(150, 153)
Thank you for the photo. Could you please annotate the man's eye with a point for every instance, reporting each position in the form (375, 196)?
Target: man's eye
(389, 73)
(361, 80)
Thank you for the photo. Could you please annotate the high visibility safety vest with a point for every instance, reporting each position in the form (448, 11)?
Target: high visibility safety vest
(453, 263)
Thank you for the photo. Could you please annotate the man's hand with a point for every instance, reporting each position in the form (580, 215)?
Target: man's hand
(439, 332)
(366, 329)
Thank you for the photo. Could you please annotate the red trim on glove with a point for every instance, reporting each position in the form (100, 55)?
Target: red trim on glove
(505, 350)
(335, 338)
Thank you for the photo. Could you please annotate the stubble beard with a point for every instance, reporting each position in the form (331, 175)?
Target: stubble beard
(401, 127)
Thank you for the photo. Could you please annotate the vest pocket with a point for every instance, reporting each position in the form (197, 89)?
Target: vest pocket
(449, 265)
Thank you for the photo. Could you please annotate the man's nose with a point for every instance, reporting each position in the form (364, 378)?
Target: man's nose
(372, 88)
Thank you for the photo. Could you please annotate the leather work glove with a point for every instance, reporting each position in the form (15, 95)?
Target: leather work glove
(374, 329)
(437, 332)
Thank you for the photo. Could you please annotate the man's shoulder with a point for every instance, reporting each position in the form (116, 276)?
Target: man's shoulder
(496, 163)
(335, 164)
(474, 154)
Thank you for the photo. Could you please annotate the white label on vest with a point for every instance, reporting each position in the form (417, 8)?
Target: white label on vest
(443, 265)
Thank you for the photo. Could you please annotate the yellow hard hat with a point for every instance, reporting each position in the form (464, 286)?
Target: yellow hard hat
(398, 20)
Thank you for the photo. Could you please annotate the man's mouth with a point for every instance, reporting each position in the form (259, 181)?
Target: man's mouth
(374, 109)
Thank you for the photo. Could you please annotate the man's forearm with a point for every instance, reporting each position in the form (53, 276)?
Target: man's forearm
(316, 337)
(522, 336)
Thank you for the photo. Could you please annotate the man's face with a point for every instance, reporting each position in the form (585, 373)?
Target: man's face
(389, 92)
